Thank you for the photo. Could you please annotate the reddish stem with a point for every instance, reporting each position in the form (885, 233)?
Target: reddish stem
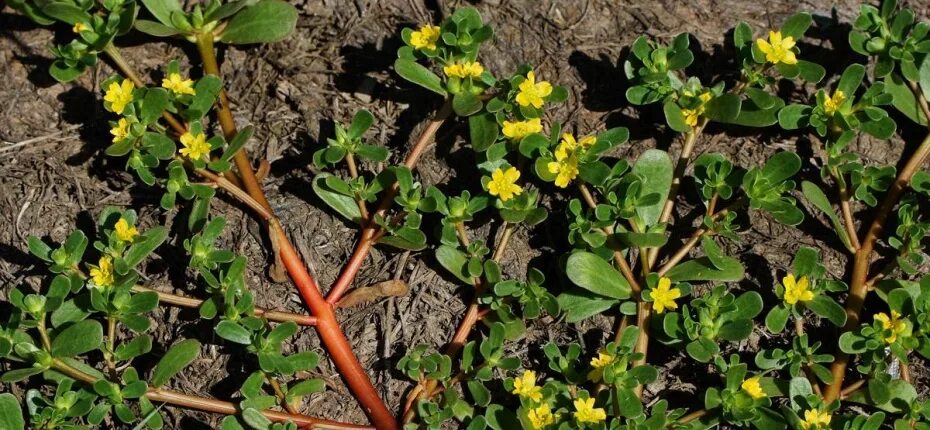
(331, 334)
(371, 232)
(859, 286)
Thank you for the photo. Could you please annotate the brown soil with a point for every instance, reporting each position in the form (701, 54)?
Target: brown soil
(337, 62)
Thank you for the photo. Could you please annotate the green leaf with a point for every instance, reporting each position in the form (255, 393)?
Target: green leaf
(66, 12)
(591, 272)
(406, 238)
(794, 116)
(178, 357)
(64, 73)
(154, 28)
(162, 9)
(903, 99)
(500, 418)
(361, 122)
(140, 249)
(11, 415)
(480, 393)
(655, 167)
(716, 266)
(797, 25)
(630, 404)
(466, 104)
(142, 302)
(826, 307)
(417, 74)
(22, 374)
(900, 392)
(674, 117)
(263, 22)
(702, 349)
(781, 166)
(578, 304)
(702, 269)
(724, 108)
(811, 72)
(761, 99)
(735, 331)
(883, 128)
(643, 240)
(255, 419)
(455, 261)
(134, 348)
(819, 199)
(306, 387)
(798, 389)
(777, 318)
(342, 204)
(153, 104)
(233, 332)
(77, 339)
(851, 79)
(748, 306)
(38, 248)
(158, 145)
(751, 115)
(237, 142)
(483, 130)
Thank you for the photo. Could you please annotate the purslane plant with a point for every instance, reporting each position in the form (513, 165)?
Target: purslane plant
(633, 256)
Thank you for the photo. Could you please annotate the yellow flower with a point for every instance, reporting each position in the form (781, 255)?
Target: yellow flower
(797, 290)
(663, 296)
(121, 131)
(565, 170)
(531, 92)
(425, 37)
(177, 85)
(195, 147)
(525, 386)
(832, 104)
(778, 49)
(503, 184)
(541, 417)
(893, 325)
(124, 231)
(598, 364)
(752, 387)
(102, 275)
(119, 95)
(79, 27)
(692, 115)
(516, 130)
(585, 412)
(814, 419)
(565, 166)
(468, 69)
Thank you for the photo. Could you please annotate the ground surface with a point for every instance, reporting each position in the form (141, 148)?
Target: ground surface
(337, 62)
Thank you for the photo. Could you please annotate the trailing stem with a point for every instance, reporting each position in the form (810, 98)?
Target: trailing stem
(227, 123)
(210, 405)
(371, 232)
(190, 302)
(428, 388)
(859, 285)
(683, 159)
(252, 196)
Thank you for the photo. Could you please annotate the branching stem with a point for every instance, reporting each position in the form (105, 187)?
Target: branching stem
(859, 286)
(209, 405)
(371, 232)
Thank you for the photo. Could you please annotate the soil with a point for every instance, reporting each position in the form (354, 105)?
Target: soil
(338, 61)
